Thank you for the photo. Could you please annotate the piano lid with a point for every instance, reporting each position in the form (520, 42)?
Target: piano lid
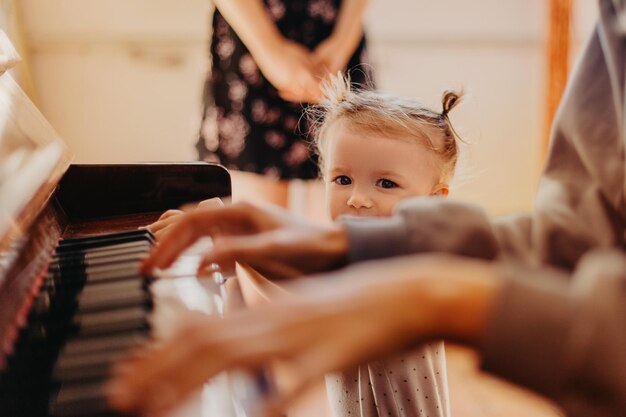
(32, 155)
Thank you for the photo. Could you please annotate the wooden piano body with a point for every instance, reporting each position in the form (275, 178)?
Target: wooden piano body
(43, 198)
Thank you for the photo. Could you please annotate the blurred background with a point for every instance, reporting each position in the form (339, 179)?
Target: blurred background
(121, 81)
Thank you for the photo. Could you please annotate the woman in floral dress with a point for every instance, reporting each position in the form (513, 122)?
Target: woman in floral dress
(268, 58)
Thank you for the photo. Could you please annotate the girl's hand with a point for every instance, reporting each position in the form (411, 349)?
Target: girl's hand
(330, 322)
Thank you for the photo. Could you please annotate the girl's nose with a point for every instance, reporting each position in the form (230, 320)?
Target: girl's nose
(359, 200)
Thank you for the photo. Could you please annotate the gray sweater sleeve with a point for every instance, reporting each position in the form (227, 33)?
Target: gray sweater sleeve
(423, 224)
(580, 199)
(570, 344)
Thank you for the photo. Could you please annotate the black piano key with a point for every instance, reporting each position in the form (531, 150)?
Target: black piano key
(56, 281)
(96, 242)
(93, 273)
(107, 322)
(118, 248)
(84, 367)
(116, 342)
(100, 296)
(103, 288)
(60, 269)
(79, 260)
(114, 300)
(115, 275)
(80, 400)
(128, 265)
(108, 236)
(87, 324)
(90, 256)
(113, 250)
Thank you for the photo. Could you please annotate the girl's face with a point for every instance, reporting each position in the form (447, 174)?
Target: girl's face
(367, 174)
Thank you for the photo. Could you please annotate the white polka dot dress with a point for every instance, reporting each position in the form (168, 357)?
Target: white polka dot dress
(407, 386)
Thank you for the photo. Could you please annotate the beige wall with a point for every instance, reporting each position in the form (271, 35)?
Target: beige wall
(121, 79)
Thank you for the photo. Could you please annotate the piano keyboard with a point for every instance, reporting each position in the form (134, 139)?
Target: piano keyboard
(92, 306)
(61, 327)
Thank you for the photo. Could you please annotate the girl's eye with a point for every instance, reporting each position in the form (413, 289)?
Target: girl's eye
(384, 183)
(342, 180)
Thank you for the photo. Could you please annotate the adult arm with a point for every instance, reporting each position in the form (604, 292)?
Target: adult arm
(565, 340)
(285, 64)
(320, 327)
(334, 52)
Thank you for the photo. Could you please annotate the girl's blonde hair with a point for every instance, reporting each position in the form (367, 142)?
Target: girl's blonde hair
(386, 115)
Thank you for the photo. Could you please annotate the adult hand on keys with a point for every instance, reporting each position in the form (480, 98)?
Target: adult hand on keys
(269, 239)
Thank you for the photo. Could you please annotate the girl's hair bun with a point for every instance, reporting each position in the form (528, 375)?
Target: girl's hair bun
(449, 100)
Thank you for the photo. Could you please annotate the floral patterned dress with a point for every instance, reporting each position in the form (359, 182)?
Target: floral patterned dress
(246, 125)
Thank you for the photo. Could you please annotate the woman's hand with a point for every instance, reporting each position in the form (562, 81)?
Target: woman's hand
(290, 68)
(267, 238)
(332, 55)
(329, 323)
(287, 65)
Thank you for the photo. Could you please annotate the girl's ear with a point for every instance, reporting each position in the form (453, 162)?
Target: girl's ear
(441, 190)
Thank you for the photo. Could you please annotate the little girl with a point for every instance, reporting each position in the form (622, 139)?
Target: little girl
(377, 149)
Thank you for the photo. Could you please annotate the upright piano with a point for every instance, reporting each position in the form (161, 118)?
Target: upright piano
(71, 298)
